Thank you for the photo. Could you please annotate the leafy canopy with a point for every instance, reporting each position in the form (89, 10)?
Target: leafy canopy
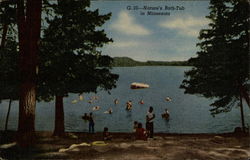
(8, 52)
(221, 66)
(70, 60)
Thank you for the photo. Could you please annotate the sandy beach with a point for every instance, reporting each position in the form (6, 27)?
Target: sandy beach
(123, 146)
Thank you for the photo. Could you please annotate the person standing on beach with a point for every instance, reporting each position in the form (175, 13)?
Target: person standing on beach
(91, 123)
(106, 134)
(150, 122)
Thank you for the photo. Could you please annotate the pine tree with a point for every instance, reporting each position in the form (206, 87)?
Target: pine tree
(222, 65)
(70, 61)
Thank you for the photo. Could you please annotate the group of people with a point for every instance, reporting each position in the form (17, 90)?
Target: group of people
(116, 101)
(106, 134)
(140, 132)
(128, 106)
(89, 118)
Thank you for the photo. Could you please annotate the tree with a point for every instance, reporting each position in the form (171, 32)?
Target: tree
(70, 61)
(221, 67)
(29, 26)
(79, 65)
(8, 55)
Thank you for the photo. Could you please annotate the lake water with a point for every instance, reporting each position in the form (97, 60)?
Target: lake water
(188, 113)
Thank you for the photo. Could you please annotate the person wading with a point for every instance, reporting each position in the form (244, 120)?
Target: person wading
(150, 122)
(91, 123)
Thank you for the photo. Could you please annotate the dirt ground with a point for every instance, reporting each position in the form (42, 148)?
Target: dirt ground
(124, 147)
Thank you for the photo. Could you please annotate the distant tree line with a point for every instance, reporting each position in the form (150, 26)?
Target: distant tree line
(129, 62)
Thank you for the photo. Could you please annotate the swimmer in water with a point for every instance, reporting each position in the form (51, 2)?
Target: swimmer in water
(166, 114)
(129, 105)
(74, 101)
(110, 111)
(96, 108)
(90, 101)
(141, 101)
(85, 117)
(116, 101)
(168, 99)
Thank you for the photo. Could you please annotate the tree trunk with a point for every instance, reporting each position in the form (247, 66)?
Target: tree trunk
(7, 118)
(242, 114)
(59, 117)
(29, 25)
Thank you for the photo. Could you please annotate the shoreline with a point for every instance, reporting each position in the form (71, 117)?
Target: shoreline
(6, 136)
(40, 133)
(123, 146)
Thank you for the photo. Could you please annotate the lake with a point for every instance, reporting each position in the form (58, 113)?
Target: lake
(188, 113)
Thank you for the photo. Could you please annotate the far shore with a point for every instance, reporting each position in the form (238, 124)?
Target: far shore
(123, 146)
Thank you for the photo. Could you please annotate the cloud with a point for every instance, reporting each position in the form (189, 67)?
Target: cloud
(127, 24)
(189, 26)
(123, 44)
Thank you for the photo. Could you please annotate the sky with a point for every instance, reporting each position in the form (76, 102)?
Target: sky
(169, 37)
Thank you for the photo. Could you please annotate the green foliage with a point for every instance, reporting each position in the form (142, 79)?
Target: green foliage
(221, 66)
(70, 60)
(7, 13)
(9, 80)
(8, 69)
(125, 62)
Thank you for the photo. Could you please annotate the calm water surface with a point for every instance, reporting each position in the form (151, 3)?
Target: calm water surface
(188, 113)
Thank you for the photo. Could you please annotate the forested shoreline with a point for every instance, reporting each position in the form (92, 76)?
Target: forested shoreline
(129, 62)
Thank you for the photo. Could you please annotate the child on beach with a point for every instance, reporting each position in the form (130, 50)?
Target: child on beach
(135, 126)
(140, 133)
(106, 134)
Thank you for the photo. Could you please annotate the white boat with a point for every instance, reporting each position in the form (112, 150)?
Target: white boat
(136, 85)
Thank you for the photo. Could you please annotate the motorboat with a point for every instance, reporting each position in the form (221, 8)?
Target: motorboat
(136, 85)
